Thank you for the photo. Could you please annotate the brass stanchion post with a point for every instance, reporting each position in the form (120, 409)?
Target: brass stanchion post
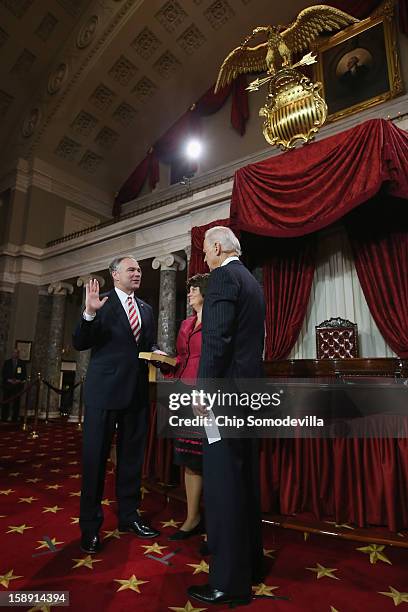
(47, 408)
(27, 399)
(34, 433)
(81, 401)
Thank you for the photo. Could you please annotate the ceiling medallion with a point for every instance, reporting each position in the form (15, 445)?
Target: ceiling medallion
(294, 109)
(57, 79)
(30, 122)
(87, 32)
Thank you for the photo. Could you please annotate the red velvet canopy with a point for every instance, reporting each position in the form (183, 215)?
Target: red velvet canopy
(304, 190)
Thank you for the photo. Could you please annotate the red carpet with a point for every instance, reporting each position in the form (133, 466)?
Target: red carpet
(39, 488)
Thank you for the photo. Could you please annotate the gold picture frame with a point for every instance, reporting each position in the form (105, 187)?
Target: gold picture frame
(359, 67)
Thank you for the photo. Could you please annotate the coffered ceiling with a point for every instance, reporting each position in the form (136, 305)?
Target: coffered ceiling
(89, 85)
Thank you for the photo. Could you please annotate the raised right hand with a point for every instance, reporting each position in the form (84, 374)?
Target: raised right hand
(92, 300)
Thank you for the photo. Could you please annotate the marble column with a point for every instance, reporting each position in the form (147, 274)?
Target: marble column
(82, 356)
(166, 327)
(40, 344)
(6, 299)
(187, 250)
(59, 293)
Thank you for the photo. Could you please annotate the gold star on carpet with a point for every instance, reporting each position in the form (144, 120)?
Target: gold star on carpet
(73, 462)
(375, 552)
(35, 465)
(107, 502)
(143, 491)
(170, 523)
(188, 608)
(85, 562)
(33, 479)
(322, 571)
(6, 491)
(38, 454)
(131, 583)
(74, 520)
(155, 548)
(55, 487)
(71, 452)
(18, 528)
(333, 609)
(112, 534)
(75, 494)
(263, 589)
(6, 457)
(75, 475)
(28, 500)
(43, 608)
(53, 509)
(46, 544)
(268, 552)
(56, 470)
(199, 568)
(397, 597)
(6, 578)
(14, 474)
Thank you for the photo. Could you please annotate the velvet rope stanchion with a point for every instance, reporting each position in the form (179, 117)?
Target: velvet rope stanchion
(34, 433)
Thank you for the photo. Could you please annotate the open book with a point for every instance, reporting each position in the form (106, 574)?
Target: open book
(157, 357)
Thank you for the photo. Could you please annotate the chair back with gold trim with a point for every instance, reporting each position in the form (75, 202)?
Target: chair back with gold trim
(336, 338)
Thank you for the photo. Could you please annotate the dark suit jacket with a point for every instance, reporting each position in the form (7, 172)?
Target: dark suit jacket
(116, 378)
(20, 372)
(232, 325)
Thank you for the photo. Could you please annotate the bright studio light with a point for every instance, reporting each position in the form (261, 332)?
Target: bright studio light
(193, 149)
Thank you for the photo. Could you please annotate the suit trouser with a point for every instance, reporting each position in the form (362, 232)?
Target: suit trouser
(99, 428)
(14, 405)
(232, 513)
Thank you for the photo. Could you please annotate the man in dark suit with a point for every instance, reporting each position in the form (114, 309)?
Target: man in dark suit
(116, 328)
(13, 374)
(232, 347)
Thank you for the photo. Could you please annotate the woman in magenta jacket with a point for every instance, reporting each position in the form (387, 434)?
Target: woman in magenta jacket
(188, 452)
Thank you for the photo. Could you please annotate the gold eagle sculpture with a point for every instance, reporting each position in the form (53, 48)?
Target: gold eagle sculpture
(282, 42)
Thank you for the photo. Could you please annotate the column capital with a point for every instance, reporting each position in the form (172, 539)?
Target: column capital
(60, 288)
(187, 250)
(171, 261)
(82, 280)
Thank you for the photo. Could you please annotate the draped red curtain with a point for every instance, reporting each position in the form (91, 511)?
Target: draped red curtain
(168, 147)
(304, 190)
(197, 265)
(378, 234)
(287, 280)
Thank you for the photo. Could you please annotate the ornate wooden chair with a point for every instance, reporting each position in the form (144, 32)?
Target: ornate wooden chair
(336, 338)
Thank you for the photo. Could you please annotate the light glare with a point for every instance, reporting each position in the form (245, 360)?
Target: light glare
(193, 149)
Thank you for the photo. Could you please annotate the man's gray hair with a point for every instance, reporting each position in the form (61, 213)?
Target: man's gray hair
(114, 265)
(226, 237)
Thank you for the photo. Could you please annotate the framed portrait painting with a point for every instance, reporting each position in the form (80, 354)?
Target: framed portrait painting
(359, 67)
(24, 348)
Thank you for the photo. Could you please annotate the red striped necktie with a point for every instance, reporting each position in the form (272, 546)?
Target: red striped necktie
(134, 319)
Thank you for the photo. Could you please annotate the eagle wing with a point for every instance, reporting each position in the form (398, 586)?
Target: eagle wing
(240, 60)
(311, 22)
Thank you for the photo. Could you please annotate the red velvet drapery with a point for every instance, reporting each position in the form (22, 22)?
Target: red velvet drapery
(304, 190)
(197, 265)
(168, 146)
(378, 234)
(287, 281)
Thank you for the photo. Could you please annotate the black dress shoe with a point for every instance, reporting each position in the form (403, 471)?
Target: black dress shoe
(208, 595)
(90, 543)
(184, 535)
(139, 528)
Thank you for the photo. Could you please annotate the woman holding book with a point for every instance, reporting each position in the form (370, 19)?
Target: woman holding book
(187, 452)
